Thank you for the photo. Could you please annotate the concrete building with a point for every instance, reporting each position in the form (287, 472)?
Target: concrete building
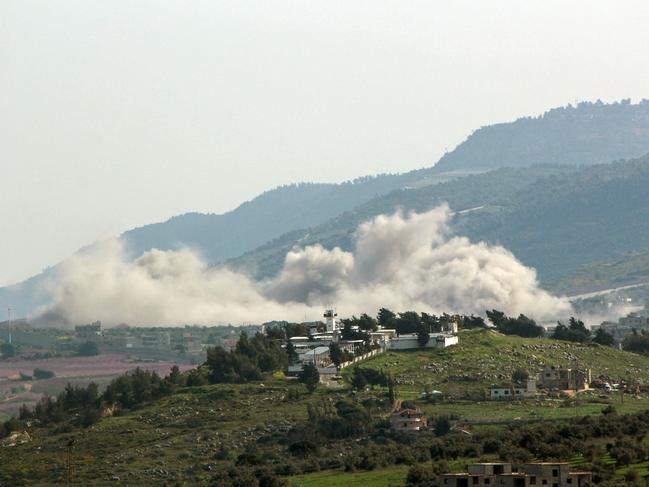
(531, 475)
(560, 378)
(435, 340)
(319, 356)
(515, 391)
(407, 420)
(160, 340)
(84, 332)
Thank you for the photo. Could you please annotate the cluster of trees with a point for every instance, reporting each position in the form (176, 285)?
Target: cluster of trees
(251, 358)
(342, 420)
(576, 331)
(521, 326)
(364, 376)
(412, 322)
(637, 342)
(83, 406)
(87, 349)
(7, 350)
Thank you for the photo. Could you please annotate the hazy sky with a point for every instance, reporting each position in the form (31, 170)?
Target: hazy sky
(121, 113)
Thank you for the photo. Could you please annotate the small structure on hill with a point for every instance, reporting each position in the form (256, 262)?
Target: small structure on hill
(407, 419)
(513, 391)
(84, 332)
(410, 341)
(560, 378)
(532, 474)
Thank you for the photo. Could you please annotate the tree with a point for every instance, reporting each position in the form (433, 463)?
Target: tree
(519, 376)
(174, 376)
(496, 317)
(386, 318)
(521, 326)
(408, 322)
(392, 396)
(576, 331)
(290, 352)
(88, 349)
(309, 376)
(359, 381)
(469, 322)
(43, 374)
(7, 350)
(367, 323)
(422, 335)
(637, 342)
(420, 476)
(336, 354)
(603, 338)
(431, 322)
(196, 378)
(442, 426)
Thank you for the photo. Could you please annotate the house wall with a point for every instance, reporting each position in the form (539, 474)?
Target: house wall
(410, 342)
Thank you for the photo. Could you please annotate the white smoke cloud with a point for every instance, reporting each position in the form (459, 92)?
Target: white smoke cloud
(400, 262)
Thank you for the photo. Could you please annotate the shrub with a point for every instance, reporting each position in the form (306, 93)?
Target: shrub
(43, 374)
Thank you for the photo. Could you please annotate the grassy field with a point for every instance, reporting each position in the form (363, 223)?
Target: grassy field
(485, 357)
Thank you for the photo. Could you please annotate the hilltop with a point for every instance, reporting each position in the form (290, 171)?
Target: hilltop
(588, 133)
(485, 357)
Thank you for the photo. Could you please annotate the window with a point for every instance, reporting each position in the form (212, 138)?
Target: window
(555, 485)
(533, 480)
(486, 481)
(544, 482)
(476, 480)
(446, 481)
(569, 481)
(555, 473)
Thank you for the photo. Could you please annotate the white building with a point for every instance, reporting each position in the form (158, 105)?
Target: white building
(500, 392)
(435, 340)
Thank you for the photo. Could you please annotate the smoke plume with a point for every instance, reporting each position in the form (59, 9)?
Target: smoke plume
(403, 262)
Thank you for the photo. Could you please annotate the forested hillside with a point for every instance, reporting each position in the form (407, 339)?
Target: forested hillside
(589, 133)
(267, 216)
(553, 218)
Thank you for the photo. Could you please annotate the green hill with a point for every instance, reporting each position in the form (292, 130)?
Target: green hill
(630, 269)
(485, 357)
(185, 438)
(588, 133)
(556, 219)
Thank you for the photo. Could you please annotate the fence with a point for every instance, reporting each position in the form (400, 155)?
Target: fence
(361, 357)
